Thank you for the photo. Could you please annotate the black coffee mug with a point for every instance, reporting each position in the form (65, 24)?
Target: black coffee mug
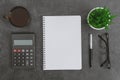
(18, 16)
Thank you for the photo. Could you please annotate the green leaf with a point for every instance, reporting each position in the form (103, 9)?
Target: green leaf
(100, 18)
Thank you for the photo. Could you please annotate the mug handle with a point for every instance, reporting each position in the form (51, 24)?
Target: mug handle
(7, 17)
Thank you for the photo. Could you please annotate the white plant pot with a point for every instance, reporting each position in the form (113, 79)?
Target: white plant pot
(88, 19)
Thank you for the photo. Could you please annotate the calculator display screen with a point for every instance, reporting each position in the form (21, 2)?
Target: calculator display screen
(23, 42)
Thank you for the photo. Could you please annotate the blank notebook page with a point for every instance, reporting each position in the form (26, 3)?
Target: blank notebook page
(62, 43)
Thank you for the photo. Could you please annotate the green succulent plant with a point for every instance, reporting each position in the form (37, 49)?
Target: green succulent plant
(101, 17)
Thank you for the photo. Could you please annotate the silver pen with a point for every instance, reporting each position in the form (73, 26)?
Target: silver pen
(90, 49)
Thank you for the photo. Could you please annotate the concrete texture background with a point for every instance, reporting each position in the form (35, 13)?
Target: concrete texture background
(37, 9)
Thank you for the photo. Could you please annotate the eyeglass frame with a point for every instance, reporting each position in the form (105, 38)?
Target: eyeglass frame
(107, 60)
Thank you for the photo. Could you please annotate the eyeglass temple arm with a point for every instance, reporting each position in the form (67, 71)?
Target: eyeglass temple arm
(102, 39)
(103, 63)
(108, 58)
(108, 65)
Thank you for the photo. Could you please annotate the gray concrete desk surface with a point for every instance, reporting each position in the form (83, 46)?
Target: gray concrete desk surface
(38, 8)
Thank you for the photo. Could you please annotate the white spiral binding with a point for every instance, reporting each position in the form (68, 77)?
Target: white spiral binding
(44, 43)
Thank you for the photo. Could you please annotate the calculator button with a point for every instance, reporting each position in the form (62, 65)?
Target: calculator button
(27, 57)
(31, 57)
(23, 53)
(31, 50)
(31, 53)
(23, 61)
(14, 50)
(18, 50)
(27, 50)
(14, 57)
(23, 50)
(27, 54)
(31, 60)
(18, 57)
(23, 58)
(19, 54)
(31, 64)
(18, 64)
(23, 64)
(27, 63)
(18, 60)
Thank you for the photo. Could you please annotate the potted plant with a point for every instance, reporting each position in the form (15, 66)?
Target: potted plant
(100, 18)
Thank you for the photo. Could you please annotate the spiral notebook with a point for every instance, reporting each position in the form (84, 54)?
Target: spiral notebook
(62, 43)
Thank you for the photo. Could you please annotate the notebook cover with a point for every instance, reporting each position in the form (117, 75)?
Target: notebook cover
(62, 48)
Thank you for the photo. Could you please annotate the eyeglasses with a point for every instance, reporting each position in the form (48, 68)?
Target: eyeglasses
(106, 42)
